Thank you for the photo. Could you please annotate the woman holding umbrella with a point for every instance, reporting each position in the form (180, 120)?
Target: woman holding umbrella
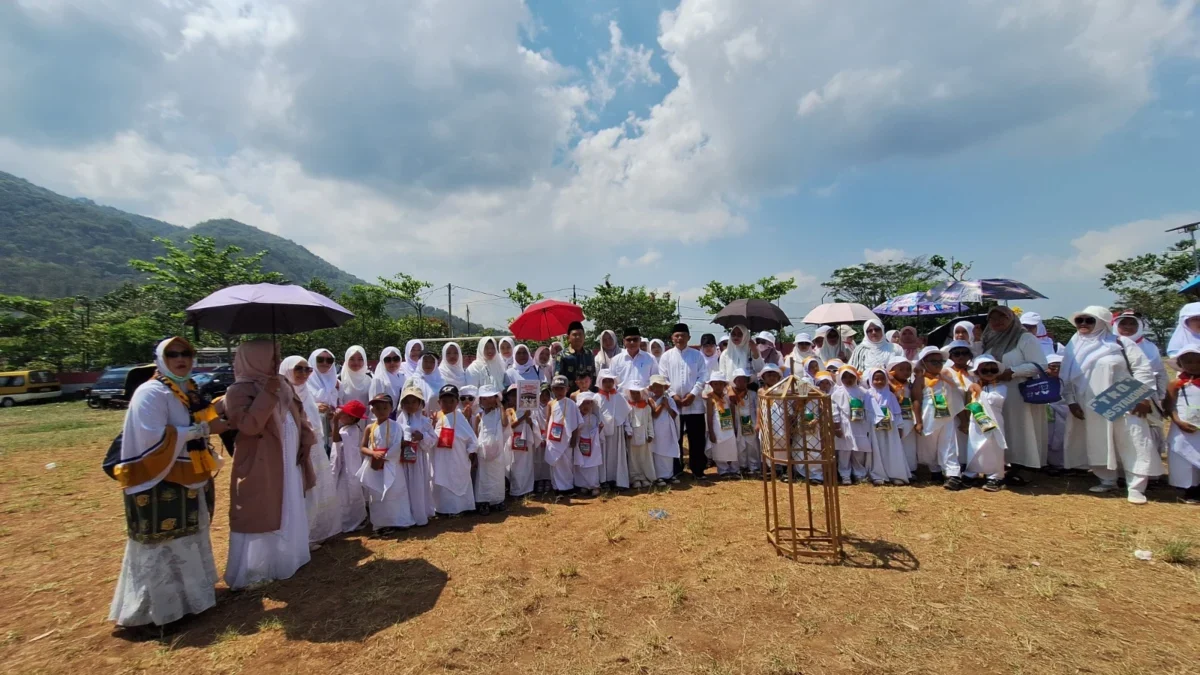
(1020, 358)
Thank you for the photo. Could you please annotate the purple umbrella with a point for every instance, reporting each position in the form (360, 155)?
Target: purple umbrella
(979, 290)
(914, 304)
(266, 308)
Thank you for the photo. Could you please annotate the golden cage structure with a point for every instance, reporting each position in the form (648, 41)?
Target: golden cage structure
(796, 435)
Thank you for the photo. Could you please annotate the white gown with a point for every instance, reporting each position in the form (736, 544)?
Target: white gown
(419, 474)
(1183, 450)
(263, 557)
(321, 502)
(1025, 429)
(386, 486)
(493, 458)
(452, 490)
(346, 458)
(985, 449)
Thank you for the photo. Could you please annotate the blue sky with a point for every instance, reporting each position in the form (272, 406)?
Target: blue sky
(665, 142)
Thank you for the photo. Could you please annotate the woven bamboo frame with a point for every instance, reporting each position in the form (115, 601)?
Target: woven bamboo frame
(803, 520)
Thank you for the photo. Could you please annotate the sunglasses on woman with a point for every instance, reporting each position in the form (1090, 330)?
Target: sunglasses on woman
(1085, 321)
(391, 359)
(185, 354)
(325, 359)
(302, 369)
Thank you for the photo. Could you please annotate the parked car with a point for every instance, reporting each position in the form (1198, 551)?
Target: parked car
(110, 390)
(19, 386)
(219, 381)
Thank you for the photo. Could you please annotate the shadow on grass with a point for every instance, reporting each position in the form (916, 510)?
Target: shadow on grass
(331, 599)
(877, 554)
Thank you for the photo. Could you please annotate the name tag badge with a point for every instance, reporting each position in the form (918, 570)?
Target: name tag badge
(518, 441)
(408, 452)
(725, 417)
(940, 409)
(747, 425)
(446, 438)
(857, 412)
(585, 447)
(556, 432)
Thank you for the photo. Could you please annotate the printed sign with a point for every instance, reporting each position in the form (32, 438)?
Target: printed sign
(528, 393)
(1120, 398)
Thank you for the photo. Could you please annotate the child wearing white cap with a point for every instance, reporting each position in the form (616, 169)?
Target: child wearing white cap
(721, 435)
(384, 444)
(639, 433)
(523, 434)
(854, 422)
(491, 428)
(562, 435)
(1056, 419)
(664, 449)
(614, 411)
(589, 451)
(941, 402)
(745, 422)
(985, 436)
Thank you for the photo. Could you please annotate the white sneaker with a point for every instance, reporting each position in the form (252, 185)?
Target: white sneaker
(1136, 497)
(1103, 488)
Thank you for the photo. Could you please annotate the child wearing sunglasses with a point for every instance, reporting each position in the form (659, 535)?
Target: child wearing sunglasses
(941, 402)
(1183, 441)
(985, 437)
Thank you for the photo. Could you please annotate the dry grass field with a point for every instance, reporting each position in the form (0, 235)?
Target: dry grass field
(1041, 580)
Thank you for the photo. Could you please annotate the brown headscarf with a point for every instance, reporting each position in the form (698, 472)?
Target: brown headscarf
(999, 344)
(256, 362)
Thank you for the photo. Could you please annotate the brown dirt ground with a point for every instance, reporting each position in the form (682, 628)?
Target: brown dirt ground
(1037, 581)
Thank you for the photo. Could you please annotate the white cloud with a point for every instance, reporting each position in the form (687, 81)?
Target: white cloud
(884, 255)
(621, 65)
(648, 258)
(1091, 251)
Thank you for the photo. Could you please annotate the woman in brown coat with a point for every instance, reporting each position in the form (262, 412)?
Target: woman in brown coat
(268, 537)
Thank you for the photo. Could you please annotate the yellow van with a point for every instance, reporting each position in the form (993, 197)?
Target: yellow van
(19, 386)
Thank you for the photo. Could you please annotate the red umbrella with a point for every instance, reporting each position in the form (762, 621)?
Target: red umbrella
(545, 319)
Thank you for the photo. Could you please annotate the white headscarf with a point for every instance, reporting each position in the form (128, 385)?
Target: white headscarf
(605, 359)
(736, 357)
(661, 345)
(873, 353)
(1183, 336)
(877, 396)
(409, 366)
(287, 368)
(160, 361)
(830, 349)
(391, 383)
(431, 383)
(529, 371)
(508, 360)
(454, 373)
(355, 384)
(482, 370)
(546, 370)
(323, 386)
(1034, 319)
(795, 359)
(1083, 351)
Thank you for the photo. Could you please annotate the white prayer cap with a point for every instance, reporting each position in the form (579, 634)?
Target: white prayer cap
(803, 337)
(833, 364)
(743, 372)
(469, 390)
(723, 338)
(1031, 319)
(1054, 358)
(982, 359)
(929, 350)
(606, 374)
(765, 336)
(897, 360)
(717, 376)
(638, 385)
(770, 368)
(659, 379)
(488, 391)
(1190, 349)
(584, 397)
(957, 344)
(1097, 312)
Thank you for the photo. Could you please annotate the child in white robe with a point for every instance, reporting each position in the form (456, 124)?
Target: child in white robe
(664, 446)
(937, 444)
(1056, 419)
(491, 430)
(985, 438)
(900, 379)
(415, 463)
(589, 450)
(562, 435)
(888, 463)
(959, 371)
(345, 460)
(523, 436)
(1183, 440)
(721, 435)
(614, 411)
(639, 434)
(541, 470)
(453, 456)
(745, 414)
(381, 474)
(853, 421)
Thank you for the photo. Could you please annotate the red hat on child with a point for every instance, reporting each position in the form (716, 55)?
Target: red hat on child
(355, 409)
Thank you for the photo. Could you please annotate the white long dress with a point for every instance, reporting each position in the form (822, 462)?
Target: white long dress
(452, 490)
(262, 557)
(321, 502)
(614, 410)
(386, 486)
(1094, 441)
(888, 460)
(985, 449)
(1183, 450)
(162, 582)
(523, 438)
(1025, 428)
(419, 474)
(346, 458)
(493, 457)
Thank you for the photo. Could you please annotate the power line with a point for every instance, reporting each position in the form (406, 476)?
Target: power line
(502, 297)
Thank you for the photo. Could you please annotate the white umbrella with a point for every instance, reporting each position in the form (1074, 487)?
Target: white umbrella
(839, 312)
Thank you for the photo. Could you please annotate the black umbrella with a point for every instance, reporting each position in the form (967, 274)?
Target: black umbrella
(939, 336)
(753, 314)
(266, 308)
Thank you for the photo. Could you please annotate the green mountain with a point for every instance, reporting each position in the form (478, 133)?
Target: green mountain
(54, 246)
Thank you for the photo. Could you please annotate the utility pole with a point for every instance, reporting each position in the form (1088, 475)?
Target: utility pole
(449, 312)
(1190, 229)
(468, 319)
(574, 300)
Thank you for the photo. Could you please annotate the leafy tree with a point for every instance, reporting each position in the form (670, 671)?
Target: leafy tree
(614, 307)
(1060, 329)
(371, 324)
(871, 284)
(182, 277)
(521, 296)
(717, 295)
(318, 285)
(407, 290)
(955, 270)
(1148, 284)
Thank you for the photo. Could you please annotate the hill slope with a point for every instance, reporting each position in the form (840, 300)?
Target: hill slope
(55, 246)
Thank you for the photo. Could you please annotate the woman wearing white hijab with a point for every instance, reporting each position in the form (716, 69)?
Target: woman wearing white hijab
(964, 331)
(451, 367)
(355, 380)
(430, 376)
(831, 345)
(523, 367)
(741, 354)
(1032, 321)
(1026, 431)
(321, 502)
(610, 347)
(657, 353)
(1095, 360)
(412, 363)
(506, 346)
(389, 376)
(875, 351)
(802, 350)
(1187, 331)
(323, 387)
(544, 363)
(488, 367)
(1131, 326)
(165, 575)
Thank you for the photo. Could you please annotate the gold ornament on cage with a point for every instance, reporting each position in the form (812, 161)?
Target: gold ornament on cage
(797, 438)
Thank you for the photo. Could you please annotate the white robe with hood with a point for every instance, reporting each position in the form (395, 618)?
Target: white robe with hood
(321, 502)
